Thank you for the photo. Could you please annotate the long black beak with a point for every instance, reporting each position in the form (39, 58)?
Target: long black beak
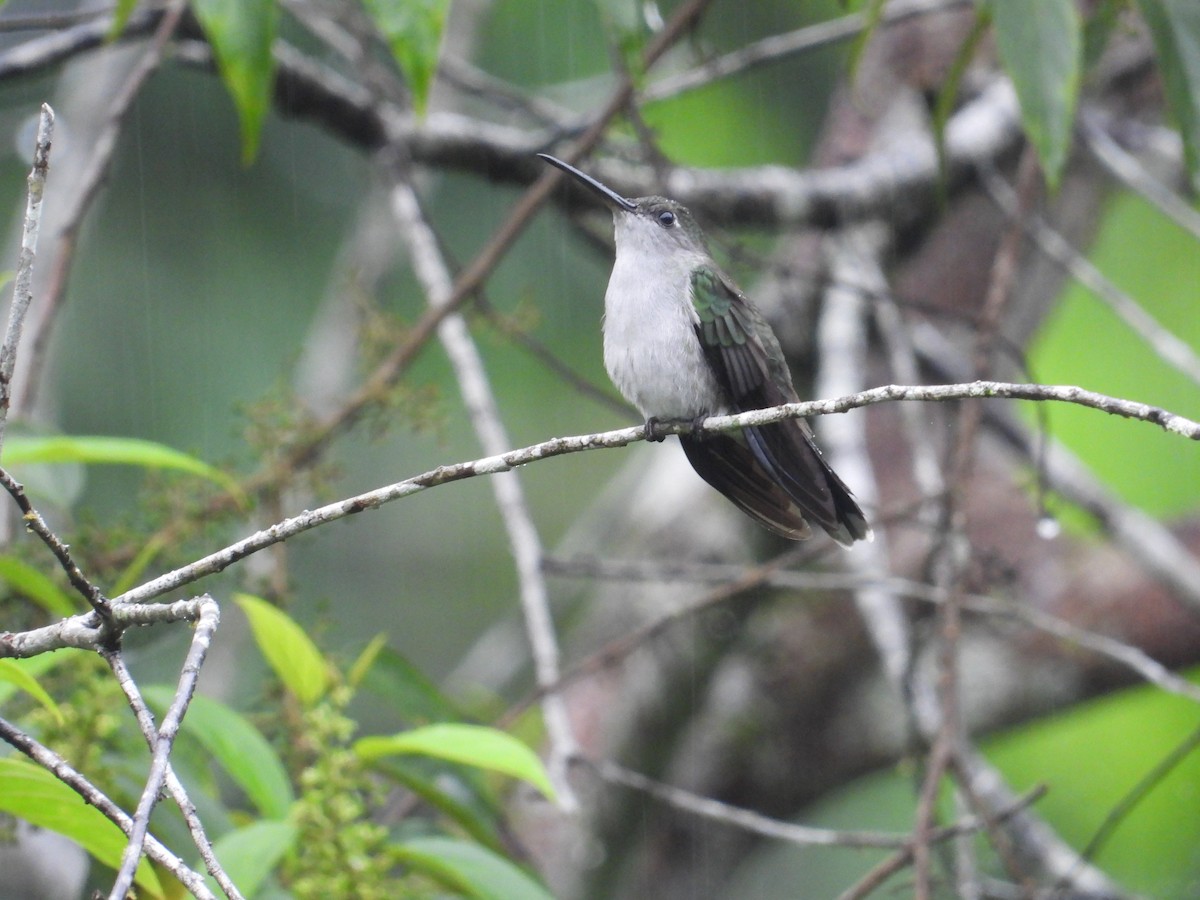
(603, 190)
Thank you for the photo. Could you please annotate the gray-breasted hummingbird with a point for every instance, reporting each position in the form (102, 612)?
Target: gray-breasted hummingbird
(681, 341)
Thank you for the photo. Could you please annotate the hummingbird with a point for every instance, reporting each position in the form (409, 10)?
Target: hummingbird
(682, 342)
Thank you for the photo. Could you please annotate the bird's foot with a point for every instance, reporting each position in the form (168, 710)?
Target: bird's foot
(698, 434)
(655, 433)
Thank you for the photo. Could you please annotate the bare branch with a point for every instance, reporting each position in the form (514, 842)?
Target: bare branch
(35, 523)
(781, 46)
(737, 578)
(765, 826)
(22, 289)
(524, 542)
(93, 796)
(145, 720)
(1125, 167)
(222, 559)
(206, 625)
(854, 255)
(36, 54)
(85, 191)
(1171, 349)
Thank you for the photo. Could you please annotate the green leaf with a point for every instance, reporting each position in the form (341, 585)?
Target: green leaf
(248, 855)
(294, 658)
(31, 793)
(1175, 28)
(24, 579)
(1040, 46)
(470, 869)
(241, 33)
(366, 660)
(1103, 20)
(948, 93)
(16, 675)
(474, 745)
(413, 31)
(238, 747)
(407, 690)
(121, 16)
(33, 667)
(112, 451)
(463, 800)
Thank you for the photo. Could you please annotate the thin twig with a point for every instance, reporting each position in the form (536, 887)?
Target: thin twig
(941, 722)
(765, 826)
(288, 528)
(93, 796)
(145, 720)
(733, 579)
(855, 258)
(22, 283)
(206, 625)
(1126, 168)
(35, 523)
(780, 46)
(1170, 348)
(95, 171)
(524, 541)
(471, 279)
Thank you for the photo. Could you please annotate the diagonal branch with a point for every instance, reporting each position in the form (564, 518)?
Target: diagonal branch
(206, 625)
(80, 630)
(524, 541)
(22, 283)
(504, 462)
(93, 796)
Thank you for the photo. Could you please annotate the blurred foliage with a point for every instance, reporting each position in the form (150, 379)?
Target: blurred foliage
(196, 294)
(1083, 342)
(1093, 756)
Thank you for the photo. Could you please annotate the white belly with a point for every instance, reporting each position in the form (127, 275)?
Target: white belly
(651, 350)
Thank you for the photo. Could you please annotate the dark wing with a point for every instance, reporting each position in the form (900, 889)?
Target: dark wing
(782, 479)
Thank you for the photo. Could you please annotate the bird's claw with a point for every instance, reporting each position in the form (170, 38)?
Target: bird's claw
(655, 433)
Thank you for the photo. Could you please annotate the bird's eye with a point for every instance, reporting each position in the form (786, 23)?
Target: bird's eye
(666, 218)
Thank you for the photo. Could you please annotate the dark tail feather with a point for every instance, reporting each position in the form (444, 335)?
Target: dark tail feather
(788, 451)
(777, 475)
(728, 465)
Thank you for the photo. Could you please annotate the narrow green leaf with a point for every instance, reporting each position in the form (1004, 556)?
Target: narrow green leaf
(474, 745)
(1175, 28)
(15, 675)
(33, 667)
(248, 855)
(1040, 45)
(132, 573)
(121, 16)
(413, 31)
(471, 869)
(1103, 20)
(241, 33)
(872, 14)
(294, 658)
(948, 92)
(407, 690)
(460, 799)
(112, 451)
(31, 793)
(366, 660)
(238, 747)
(24, 579)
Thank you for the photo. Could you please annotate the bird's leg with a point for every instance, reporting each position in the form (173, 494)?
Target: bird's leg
(698, 434)
(654, 432)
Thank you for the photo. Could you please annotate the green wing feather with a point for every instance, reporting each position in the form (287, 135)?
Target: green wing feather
(790, 480)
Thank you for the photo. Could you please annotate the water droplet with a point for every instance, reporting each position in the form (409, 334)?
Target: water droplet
(1048, 527)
